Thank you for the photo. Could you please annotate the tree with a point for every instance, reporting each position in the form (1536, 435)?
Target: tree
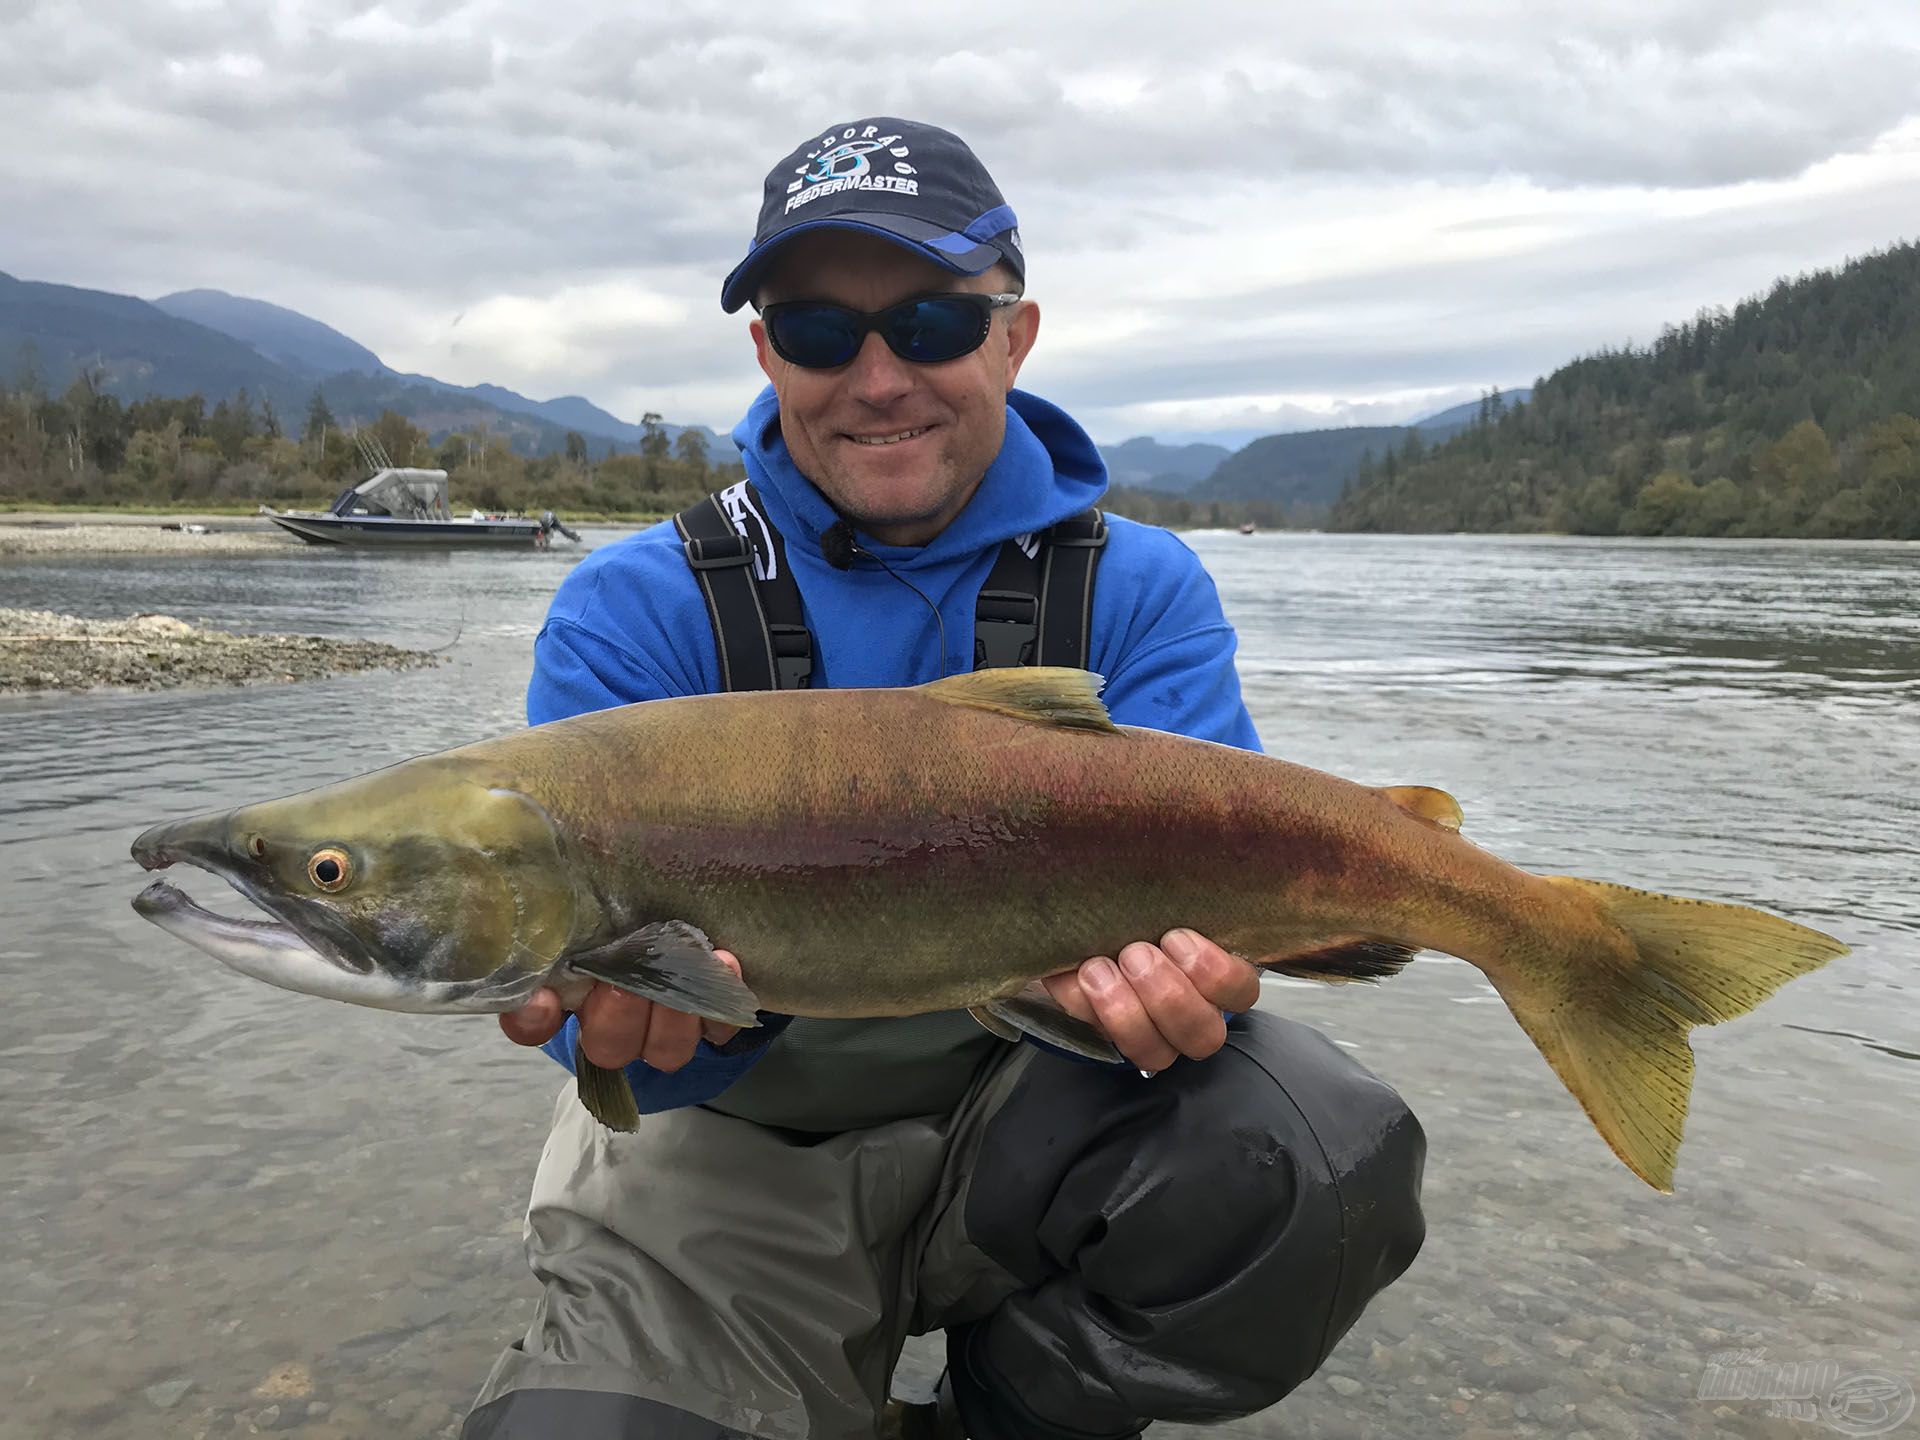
(653, 437)
(691, 451)
(319, 421)
(576, 449)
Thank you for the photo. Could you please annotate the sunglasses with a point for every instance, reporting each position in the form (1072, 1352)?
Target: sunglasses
(818, 336)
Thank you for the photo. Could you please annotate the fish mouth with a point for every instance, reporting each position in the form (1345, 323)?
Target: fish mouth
(241, 943)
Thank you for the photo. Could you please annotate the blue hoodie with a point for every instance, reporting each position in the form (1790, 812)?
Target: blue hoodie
(629, 623)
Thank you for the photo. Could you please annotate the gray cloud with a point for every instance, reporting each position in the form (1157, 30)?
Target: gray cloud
(389, 166)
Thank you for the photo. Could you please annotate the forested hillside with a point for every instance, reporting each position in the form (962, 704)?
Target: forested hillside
(87, 446)
(1795, 414)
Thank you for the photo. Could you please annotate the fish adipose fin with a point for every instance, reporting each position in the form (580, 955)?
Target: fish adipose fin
(1044, 694)
(605, 1093)
(1044, 1020)
(674, 963)
(1618, 1037)
(1425, 803)
(1363, 960)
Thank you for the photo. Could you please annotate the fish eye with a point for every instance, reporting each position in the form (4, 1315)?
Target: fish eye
(330, 869)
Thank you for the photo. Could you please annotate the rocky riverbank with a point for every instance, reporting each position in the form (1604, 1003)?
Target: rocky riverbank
(144, 535)
(42, 650)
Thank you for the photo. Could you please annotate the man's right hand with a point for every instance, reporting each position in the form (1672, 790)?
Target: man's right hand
(617, 1028)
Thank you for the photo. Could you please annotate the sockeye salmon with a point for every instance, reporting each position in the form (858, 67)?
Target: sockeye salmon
(892, 852)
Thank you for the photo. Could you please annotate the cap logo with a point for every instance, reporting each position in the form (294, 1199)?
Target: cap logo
(840, 162)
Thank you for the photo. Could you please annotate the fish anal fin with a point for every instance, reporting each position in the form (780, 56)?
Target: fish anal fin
(1345, 961)
(672, 962)
(605, 1093)
(993, 1024)
(1043, 694)
(1436, 807)
(1044, 1020)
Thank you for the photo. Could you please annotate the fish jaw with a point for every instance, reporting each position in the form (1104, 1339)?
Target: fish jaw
(274, 952)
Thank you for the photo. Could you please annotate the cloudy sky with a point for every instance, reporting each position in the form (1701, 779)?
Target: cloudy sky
(1239, 217)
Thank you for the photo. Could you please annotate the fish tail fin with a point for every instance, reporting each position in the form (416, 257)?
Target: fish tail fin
(1614, 1027)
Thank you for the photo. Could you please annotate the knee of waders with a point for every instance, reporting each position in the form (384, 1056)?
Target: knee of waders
(1232, 1216)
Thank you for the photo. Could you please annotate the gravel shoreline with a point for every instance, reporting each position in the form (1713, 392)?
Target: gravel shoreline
(101, 536)
(41, 650)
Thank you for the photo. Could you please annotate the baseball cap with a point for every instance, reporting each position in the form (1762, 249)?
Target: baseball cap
(916, 185)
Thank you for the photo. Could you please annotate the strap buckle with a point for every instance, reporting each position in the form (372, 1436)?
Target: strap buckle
(1006, 629)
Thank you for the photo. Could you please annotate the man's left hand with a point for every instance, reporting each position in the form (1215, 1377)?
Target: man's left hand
(1159, 1002)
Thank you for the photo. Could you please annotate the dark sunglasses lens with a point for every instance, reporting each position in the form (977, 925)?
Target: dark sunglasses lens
(816, 336)
(930, 331)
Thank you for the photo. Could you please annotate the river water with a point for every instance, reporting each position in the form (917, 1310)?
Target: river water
(227, 1208)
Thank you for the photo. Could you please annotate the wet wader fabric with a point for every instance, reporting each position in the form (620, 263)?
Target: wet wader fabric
(1101, 1250)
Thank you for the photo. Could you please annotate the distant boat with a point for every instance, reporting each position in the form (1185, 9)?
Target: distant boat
(398, 506)
(1246, 527)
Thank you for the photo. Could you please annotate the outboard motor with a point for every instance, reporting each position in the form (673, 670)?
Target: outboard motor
(551, 522)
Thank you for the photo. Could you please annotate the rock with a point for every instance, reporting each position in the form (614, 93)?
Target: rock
(1345, 1386)
(168, 1393)
(288, 1381)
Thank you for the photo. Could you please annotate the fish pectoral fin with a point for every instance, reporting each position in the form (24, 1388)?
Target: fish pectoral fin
(672, 962)
(1344, 961)
(605, 1093)
(1044, 1020)
(1044, 694)
(1424, 802)
(992, 1024)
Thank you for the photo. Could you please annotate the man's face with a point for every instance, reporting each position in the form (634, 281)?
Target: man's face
(897, 447)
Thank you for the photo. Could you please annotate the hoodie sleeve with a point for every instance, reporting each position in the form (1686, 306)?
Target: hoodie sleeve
(593, 653)
(1162, 641)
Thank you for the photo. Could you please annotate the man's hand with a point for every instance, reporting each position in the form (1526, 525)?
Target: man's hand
(1160, 1001)
(617, 1028)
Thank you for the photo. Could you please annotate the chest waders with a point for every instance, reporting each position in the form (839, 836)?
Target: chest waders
(1035, 608)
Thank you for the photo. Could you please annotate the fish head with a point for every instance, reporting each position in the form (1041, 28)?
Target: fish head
(420, 887)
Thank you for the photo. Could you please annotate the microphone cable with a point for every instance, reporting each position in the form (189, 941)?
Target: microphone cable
(839, 549)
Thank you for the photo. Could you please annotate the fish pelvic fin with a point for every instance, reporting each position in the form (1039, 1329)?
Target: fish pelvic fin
(605, 1093)
(1038, 1016)
(1616, 1031)
(671, 962)
(1044, 694)
(1423, 802)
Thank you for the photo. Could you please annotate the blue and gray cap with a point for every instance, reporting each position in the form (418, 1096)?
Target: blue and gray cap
(916, 185)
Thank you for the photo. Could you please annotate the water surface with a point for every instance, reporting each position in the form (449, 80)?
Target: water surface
(202, 1179)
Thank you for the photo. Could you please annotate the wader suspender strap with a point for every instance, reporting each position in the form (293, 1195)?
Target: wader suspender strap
(753, 604)
(1037, 609)
(1034, 609)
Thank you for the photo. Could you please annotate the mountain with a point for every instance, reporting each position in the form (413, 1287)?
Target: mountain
(1302, 471)
(284, 336)
(1797, 413)
(1448, 422)
(1143, 463)
(213, 344)
(133, 347)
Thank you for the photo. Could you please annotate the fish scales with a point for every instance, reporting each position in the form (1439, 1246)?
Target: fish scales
(892, 852)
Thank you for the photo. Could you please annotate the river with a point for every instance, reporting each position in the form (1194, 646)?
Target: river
(209, 1188)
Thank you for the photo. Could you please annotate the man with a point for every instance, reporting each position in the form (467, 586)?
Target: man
(1183, 1238)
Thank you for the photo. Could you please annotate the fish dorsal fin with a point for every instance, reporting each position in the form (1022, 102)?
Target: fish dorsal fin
(1434, 806)
(1044, 694)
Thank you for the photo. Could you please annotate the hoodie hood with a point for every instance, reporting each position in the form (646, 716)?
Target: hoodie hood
(1047, 470)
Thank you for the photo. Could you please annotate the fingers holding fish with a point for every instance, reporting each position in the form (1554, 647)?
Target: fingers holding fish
(535, 1022)
(617, 1028)
(1226, 981)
